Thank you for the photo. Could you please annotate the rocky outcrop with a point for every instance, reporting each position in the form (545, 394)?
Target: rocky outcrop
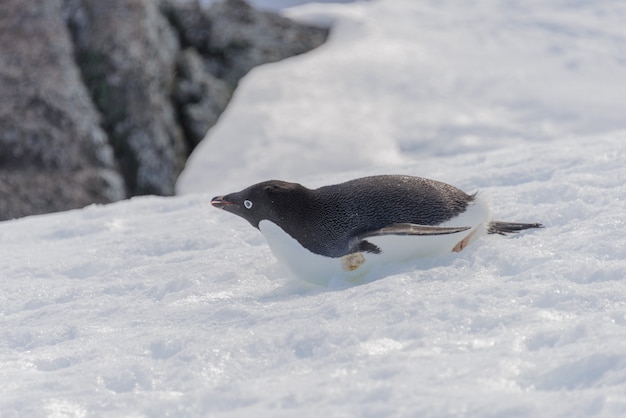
(105, 100)
(234, 37)
(222, 43)
(127, 53)
(53, 153)
(200, 97)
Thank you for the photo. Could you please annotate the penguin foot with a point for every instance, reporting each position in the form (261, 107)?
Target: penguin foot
(463, 243)
(352, 261)
(504, 228)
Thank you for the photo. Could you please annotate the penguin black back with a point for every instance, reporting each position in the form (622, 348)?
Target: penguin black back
(325, 220)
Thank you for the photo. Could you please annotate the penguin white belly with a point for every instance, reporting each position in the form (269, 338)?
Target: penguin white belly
(304, 264)
(320, 270)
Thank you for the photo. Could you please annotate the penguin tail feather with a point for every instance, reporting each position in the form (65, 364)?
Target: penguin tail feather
(504, 228)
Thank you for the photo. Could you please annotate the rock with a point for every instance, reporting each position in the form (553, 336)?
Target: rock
(32, 191)
(53, 153)
(222, 43)
(233, 37)
(200, 97)
(127, 52)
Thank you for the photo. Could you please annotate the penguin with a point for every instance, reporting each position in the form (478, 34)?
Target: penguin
(343, 231)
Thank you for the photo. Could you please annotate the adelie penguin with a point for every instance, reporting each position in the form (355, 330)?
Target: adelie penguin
(345, 230)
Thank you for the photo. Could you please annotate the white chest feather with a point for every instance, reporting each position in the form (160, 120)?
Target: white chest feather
(320, 270)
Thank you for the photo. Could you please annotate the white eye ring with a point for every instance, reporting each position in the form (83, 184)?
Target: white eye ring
(247, 204)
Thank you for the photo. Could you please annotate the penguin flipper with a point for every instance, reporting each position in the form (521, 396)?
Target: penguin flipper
(361, 244)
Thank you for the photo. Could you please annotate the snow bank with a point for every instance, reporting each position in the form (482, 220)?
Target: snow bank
(160, 306)
(401, 81)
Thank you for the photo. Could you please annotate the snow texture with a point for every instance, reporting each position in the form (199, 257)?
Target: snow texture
(168, 307)
(401, 81)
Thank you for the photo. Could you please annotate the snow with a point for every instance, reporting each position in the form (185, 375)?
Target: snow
(168, 307)
(282, 4)
(401, 81)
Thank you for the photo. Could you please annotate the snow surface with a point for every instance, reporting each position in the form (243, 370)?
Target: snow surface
(403, 80)
(168, 307)
(281, 4)
(273, 5)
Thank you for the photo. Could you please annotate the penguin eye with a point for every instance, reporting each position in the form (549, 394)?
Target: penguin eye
(247, 204)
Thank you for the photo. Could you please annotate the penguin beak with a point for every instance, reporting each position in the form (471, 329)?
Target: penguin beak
(220, 203)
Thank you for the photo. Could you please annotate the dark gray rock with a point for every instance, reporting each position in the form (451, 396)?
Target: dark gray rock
(53, 154)
(222, 43)
(127, 52)
(32, 191)
(200, 97)
(233, 37)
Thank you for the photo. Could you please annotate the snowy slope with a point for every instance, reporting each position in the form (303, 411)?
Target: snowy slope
(168, 307)
(405, 80)
(281, 4)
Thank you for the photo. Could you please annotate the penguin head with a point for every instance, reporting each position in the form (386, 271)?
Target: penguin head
(272, 200)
